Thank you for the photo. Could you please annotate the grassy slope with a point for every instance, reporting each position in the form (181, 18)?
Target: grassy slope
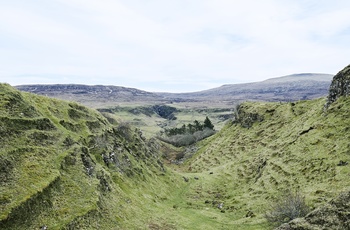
(52, 172)
(47, 178)
(296, 147)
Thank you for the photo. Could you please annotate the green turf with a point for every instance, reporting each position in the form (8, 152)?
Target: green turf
(53, 173)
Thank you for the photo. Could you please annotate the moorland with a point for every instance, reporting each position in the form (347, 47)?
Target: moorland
(66, 165)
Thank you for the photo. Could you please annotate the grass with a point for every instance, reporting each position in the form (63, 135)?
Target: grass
(151, 124)
(45, 181)
(53, 173)
(279, 153)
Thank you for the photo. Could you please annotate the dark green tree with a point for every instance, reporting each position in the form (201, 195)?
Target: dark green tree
(207, 123)
(182, 130)
(198, 126)
(190, 128)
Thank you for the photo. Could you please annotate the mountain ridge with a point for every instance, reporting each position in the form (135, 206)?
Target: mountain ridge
(287, 88)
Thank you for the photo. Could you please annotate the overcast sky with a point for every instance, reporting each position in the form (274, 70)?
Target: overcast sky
(170, 45)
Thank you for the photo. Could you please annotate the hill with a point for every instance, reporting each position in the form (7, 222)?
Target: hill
(141, 109)
(289, 88)
(65, 166)
(273, 148)
(97, 96)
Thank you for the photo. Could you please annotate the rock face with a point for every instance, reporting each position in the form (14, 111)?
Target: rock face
(334, 215)
(247, 118)
(340, 86)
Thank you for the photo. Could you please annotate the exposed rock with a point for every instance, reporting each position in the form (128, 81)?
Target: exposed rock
(87, 161)
(340, 86)
(250, 214)
(220, 205)
(246, 118)
(342, 163)
(334, 215)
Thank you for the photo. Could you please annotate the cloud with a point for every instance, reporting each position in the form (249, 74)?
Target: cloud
(177, 45)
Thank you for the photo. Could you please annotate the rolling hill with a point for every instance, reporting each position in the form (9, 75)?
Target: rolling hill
(288, 88)
(65, 166)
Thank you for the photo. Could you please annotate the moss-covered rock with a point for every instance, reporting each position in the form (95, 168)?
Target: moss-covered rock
(340, 86)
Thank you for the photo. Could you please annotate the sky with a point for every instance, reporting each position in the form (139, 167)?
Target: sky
(170, 45)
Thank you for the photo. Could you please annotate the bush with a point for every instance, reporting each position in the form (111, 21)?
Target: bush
(286, 208)
(179, 140)
(187, 139)
(200, 135)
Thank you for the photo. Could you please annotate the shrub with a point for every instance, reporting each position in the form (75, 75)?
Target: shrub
(200, 135)
(286, 208)
(180, 140)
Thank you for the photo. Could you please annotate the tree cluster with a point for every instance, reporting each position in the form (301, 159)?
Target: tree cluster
(190, 128)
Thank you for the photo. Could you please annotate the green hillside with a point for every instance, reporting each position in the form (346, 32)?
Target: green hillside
(65, 166)
(275, 148)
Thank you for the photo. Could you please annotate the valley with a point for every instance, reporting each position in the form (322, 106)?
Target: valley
(67, 166)
(139, 108)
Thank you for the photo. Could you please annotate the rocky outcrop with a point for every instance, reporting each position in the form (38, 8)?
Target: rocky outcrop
(247, 118)
(334, 215)
(340, 86)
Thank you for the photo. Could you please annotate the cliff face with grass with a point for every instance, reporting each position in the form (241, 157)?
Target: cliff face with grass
(65, 166)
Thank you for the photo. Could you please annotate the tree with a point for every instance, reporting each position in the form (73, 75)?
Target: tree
(207, 123)
(198, 126)
(190, 128)
(183, 129)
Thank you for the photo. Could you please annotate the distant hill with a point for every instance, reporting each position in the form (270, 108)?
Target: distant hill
(94, 96)
(288, 88)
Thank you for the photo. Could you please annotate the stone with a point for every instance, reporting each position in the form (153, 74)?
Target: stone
(340, 86)
(342, 163)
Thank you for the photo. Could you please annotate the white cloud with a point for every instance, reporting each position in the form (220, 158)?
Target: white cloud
(190, 45)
